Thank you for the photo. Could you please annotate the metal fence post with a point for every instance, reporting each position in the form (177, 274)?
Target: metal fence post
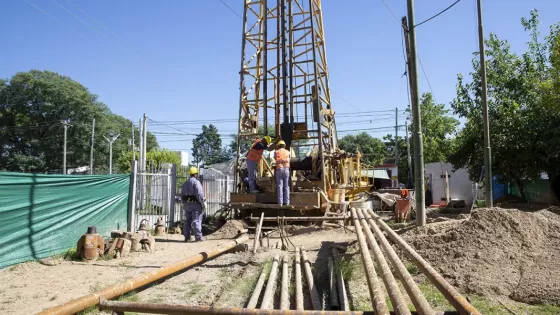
(132, 196)
(173, 189)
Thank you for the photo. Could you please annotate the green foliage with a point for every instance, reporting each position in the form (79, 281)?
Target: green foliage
(523, 109)
(32, 107)
(373, 149)
(207, 147)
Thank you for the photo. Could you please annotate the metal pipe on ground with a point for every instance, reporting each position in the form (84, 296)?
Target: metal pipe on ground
(258, 234)
(342, 296)
(258, 288)
(332, 286)
(450, 293)
(243, 231)
(315, 301)
(285, 295)
(299, 288)
(82, 303)
(297, 219)
(418, 299)
(399, 304)
(268, 298)
(375, 291)
(178, 309)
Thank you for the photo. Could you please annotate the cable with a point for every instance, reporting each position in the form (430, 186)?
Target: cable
(391, 11)
(425, 76)
(96, 21)
(434, 16)
(344, 100)
(231, 9)
(59, 21)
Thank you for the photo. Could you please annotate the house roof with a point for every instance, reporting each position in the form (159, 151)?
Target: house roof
(379, 174)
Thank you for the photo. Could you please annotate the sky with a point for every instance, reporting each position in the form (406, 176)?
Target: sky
(178, 60)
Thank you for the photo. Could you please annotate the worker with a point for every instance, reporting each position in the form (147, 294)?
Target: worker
(254, 156)
(192, 196)
(282, 158)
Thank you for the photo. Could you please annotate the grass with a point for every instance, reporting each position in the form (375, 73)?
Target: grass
(434, 297)
(349, 268)
(131, 296)
(69, 255)
(412, 268)
(194, 289)
(89, 311)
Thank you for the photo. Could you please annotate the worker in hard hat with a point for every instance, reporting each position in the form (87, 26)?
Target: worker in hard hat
(282, 173)
(253, 158)
(192, 196)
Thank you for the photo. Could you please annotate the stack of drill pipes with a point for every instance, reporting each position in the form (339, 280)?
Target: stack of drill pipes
(285, 296)
(343, 297)
(450, 293)
(399, 304)
(315, 301)
(257, 234)
(268, 298)
(418, 299)
(257, 291)
(332, 286)
(299, 288)
(375, 291)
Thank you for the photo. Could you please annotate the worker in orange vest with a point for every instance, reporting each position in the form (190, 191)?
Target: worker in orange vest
(282, 157)
(253, 157)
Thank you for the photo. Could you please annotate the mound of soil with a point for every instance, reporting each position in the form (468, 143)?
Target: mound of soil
(229, 230)
(497, 252)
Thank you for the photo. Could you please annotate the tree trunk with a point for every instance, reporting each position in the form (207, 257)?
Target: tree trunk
(521, 188)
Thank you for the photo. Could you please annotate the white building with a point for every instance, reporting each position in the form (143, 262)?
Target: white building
(184, 157)
(460, 186)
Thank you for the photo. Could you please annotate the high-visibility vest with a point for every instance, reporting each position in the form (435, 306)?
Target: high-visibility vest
(282, 158)
(255, 155)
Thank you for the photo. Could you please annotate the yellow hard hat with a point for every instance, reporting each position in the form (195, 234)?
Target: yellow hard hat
(193, 170)
(268, 139)
(281, 142)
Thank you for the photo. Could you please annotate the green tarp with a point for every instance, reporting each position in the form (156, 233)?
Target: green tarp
(43, 215)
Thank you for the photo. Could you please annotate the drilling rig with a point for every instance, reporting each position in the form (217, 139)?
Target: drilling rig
(285, 94)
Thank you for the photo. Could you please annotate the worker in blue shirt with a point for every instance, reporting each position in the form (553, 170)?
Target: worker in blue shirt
(192, 196)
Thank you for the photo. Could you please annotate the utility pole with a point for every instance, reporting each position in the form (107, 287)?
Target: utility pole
(487, 149)
(112, 138)
(145, 144)
(140, 143)
(66, 124)
(409, 159)
(91, 147)
(132, 145)
(397, 142)
(417, 136)
(408, 60)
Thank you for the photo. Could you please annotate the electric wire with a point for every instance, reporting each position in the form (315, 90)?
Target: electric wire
(234, 12)
(96, 21)
(436, 15)
(391, 11)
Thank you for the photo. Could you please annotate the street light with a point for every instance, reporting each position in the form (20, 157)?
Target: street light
(112, 138)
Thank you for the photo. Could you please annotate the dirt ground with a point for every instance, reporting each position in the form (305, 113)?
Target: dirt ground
(499, 259)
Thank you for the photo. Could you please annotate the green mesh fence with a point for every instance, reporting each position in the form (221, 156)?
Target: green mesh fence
(43, 215)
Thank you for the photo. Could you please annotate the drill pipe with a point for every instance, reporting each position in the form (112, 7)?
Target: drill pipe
(418, 299)
(257, 291)
(178, 309)
(284, 295)
(375, 291)
(299, 288)
(315, 301)
(268, 298)
(450, 293)
(399, 304)
(332, 286)
(81, 303)
(342, 296)
(258, 234)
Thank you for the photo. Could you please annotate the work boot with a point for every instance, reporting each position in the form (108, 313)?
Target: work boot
(188, 239)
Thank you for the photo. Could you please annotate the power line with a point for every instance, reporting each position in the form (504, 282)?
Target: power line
(344, 100)
(234, 12)
(96, 21)
(59, 21)
(434, 16)
(391, 11)
(427, 80)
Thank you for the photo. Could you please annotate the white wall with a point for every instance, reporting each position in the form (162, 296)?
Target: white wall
(460, 186)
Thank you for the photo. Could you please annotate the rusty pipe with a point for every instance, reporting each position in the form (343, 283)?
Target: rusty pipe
(81, 303)
(284, 295)
(342, 296)
(178, 309)
(268, 298)
(375, 291)
(332, 286)
(399, 304)
(450, 293)
(297, 219)
(315, 301)
(416, 296)
(299, 288)
(258, 288)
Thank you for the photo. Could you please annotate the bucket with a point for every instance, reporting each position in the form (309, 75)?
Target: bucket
(337, 195)
(367, 205)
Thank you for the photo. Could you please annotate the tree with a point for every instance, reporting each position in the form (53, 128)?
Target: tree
(207, 146)
(373, 149)
(32, 107)
(153, 157)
